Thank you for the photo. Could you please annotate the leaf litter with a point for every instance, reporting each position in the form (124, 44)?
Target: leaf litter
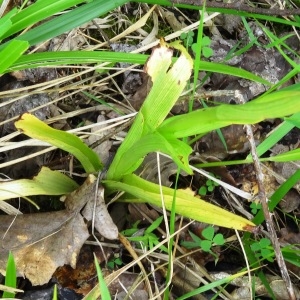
(42, 242)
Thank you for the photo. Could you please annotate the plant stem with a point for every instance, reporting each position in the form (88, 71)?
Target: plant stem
(268, 216)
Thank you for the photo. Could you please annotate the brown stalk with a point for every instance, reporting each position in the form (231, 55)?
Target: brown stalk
(268, 215)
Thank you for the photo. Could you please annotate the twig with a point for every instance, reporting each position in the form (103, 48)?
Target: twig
(268, 216)
(240, 7)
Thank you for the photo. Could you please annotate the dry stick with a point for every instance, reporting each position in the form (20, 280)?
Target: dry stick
(240, 7)
(268, 216)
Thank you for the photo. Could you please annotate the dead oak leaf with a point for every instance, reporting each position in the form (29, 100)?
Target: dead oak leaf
(42, 242)
(95, 208)
(38, 261)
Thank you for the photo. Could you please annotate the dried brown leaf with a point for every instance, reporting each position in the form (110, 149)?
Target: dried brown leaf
(42, 242)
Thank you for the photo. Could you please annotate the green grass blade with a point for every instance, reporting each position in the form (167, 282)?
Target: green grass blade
(38, 11)
(284, 157)
(198, 56)
(292, 255)
(33, 127)
(55, 296)
(211, 285)
(223, 10)
(47, 182)
(291, 155)
(10, 276)
(75, 57)
(276, 135)
(104, 292)
(6, 23)
(12, 52)
(229, 70)
(277, 196)
(70, 20)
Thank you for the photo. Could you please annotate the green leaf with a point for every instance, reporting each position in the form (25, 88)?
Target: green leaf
(138, 239)
(255, 247)
(152, 142)
(11, 52)
(47, 182)
(291, 254)
(229, 70)
(118, 261)
(210, 286)
(276, 134)
(142, 137)
(189, 245)
(209, 182)
(195, 238)
(275, 105)
(266, 253)
(202, 191)
(255, 207)
(38, 11)
(186, 205)
(294, 120)
(54, 297)
(75, 57)
(232, 11)
(206, 41)
(10, 276)
(286, 156)
(183, 35)
(154, 225)
(206, 245)
(33, 127)
(219, 239)
(207, 52)
(190, 33)
(210, 188)
(67, 21)
(5, 22)
(130, 232)
(104, 291)
(264, 242)
(208, 233)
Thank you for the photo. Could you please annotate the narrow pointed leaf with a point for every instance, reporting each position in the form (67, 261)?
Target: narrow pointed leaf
(275, 105)
(38, 11)
(33, 127)
(47, 182)
(10, 276)
(186, 205)
(11, 53)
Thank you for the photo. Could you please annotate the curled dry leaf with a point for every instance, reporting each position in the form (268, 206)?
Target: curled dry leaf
(91, 196)
(103, 222)
(44, 241)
